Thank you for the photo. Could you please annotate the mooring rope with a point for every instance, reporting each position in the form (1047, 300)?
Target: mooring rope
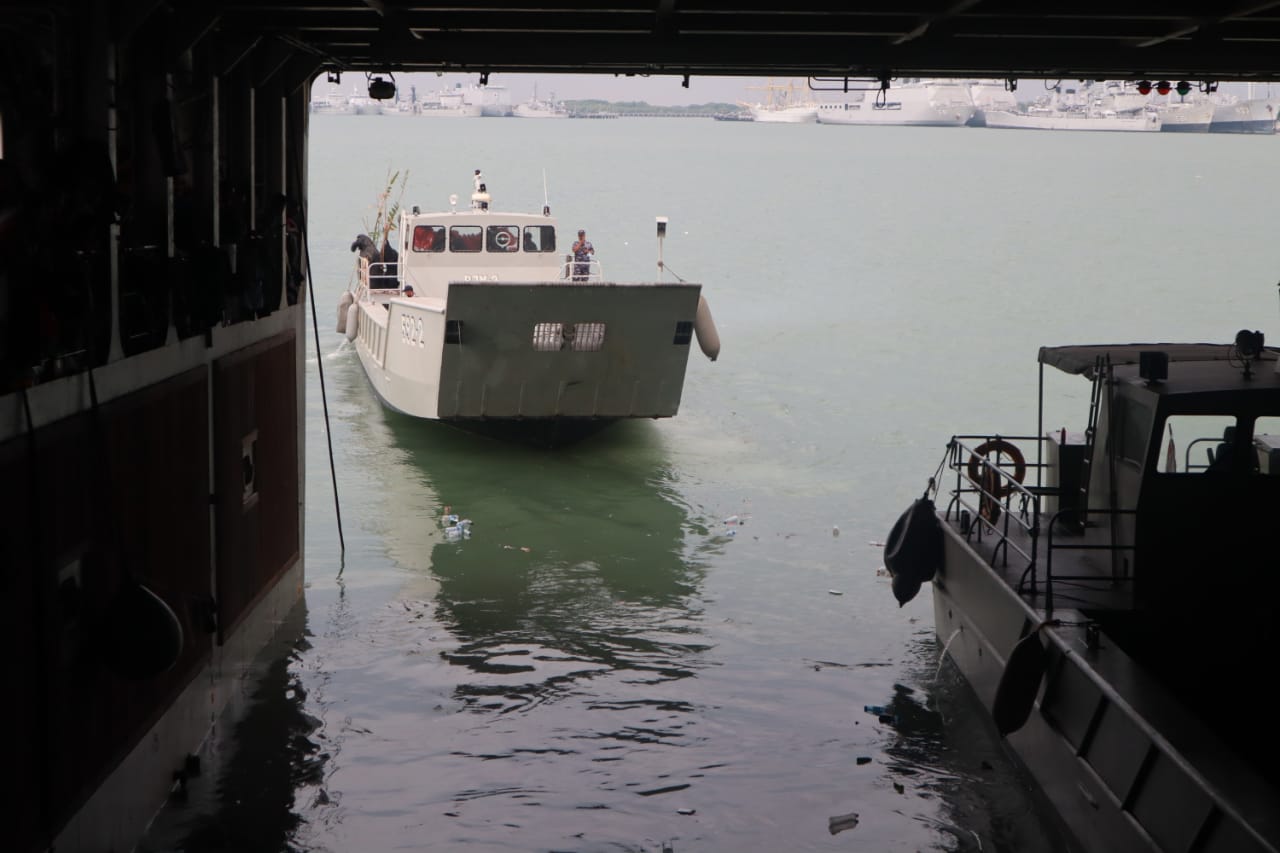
(324, 400)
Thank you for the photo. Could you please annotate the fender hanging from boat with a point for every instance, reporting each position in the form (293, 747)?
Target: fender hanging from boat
(344, 302)
(1019, 683)
(705, 328)
(351, 321)
(913, 552)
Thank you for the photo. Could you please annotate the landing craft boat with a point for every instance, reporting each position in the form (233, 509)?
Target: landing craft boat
(1111, 594)
(504, 333)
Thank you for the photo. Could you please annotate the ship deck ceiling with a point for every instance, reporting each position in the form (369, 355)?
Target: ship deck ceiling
(825, 38)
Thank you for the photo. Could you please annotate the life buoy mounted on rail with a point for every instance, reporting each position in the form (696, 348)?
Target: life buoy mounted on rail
(982, 456)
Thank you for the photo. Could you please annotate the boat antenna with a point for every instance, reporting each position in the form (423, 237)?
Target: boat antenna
(546, 205)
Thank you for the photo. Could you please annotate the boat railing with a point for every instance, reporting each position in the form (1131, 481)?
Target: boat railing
(379, 275)
(588, 270)
(996, 502)
(1113, 580)
(1002, 501)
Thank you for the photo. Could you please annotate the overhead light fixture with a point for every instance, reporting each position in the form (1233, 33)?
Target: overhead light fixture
(1144, 87)
(382, 90)
(1163, 87)
(1183, 88)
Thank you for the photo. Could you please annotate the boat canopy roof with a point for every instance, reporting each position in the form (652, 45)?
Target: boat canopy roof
(1081, 359)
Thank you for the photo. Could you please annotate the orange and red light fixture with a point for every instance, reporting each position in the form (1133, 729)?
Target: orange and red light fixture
(1163, 87)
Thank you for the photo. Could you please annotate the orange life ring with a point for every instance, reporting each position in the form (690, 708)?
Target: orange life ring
(1002, 448)
(989, 500)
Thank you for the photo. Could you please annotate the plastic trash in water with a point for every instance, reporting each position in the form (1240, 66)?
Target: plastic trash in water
(875, 709)
(453, 533)
(841, 822)
(733, 519)
(835, 530)
(449, 519)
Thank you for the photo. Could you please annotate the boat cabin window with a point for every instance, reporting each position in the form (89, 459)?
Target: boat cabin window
(428, 238)
(502, 238)
(1194, 444)
(1189, 443)
(539, 238)
(1133, 422)
(464, 238)
(1266, 445)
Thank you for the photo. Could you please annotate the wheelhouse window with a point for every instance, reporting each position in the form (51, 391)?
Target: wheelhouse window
(539, 238)
(1192, 444)
(1134, 426)
(502, 238)
(465, 238)
(1266, 445)
(428, 238)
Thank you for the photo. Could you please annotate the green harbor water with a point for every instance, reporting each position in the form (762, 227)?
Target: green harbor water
(668, 634)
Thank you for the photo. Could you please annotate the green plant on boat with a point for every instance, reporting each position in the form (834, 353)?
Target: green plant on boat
(387, 211)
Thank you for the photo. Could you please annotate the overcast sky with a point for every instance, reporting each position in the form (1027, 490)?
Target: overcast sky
(657, 90)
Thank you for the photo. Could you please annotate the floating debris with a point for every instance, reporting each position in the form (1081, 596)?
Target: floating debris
(835, 592)
(841, 822)
(864, 759)
(686, 811)
(898, 786)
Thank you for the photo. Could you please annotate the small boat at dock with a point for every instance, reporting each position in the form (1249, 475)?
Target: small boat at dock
(1110, 593)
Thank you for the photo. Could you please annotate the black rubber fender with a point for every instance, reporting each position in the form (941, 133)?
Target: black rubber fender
(1019, 684)
(914, 547)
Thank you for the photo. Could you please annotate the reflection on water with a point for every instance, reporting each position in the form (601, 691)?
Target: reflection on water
(244, 796)
(575, 568)
(563, 679)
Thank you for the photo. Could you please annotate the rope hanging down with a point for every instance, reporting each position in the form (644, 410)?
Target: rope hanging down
(324, 401)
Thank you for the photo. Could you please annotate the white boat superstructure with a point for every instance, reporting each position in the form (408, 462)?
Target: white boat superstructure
(921, 103)
(450, 103)
(494, 99)
(506, 332)
(1086, 108)
(331, 102)
(990, 95)
(783, 104)
(538, 108)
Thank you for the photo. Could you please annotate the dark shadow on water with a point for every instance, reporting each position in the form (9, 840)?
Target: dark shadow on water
(948, 748)
(243, 800)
